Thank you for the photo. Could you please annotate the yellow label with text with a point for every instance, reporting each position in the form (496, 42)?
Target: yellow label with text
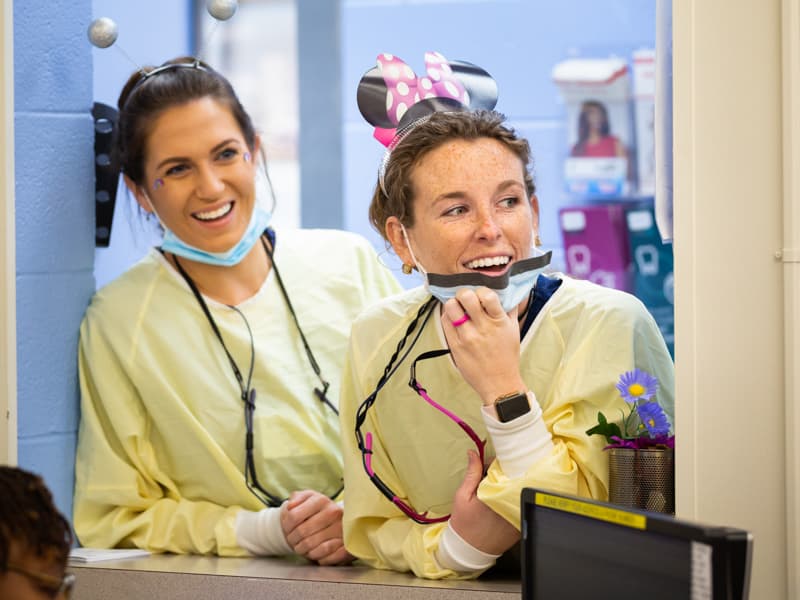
(586, 509)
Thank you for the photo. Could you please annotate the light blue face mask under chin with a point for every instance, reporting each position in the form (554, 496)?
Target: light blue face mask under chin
(511, 287)
(259, 221)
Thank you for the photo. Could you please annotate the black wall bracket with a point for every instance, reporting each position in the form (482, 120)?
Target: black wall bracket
(106, 172)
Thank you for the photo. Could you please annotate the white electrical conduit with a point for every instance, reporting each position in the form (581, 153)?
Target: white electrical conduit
(790, 256)
(662, 122)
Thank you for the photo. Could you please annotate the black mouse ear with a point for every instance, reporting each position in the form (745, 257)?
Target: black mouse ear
(480, 86)
(371, 97)
(427, 107)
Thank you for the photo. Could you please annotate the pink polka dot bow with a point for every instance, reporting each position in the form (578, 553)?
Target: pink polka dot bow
(391, 96)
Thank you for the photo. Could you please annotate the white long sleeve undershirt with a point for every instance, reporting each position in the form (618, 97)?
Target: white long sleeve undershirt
(518, 444)
(260, 533)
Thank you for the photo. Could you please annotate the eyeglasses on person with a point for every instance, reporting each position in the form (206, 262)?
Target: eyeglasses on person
(365, 444)
(54, 587)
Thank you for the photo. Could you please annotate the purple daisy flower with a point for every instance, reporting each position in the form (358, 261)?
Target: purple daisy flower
(637, 385)
(653, 418)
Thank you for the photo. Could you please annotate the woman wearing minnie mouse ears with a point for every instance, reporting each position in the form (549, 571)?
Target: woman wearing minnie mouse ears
(483, 380)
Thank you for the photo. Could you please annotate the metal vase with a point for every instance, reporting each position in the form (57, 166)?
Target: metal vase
(642, 478)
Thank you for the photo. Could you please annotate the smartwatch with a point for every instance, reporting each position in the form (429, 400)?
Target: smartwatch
(511, 406)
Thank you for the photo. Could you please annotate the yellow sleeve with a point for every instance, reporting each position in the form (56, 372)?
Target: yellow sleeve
(586, 384)
(375, 530)
(122, 496)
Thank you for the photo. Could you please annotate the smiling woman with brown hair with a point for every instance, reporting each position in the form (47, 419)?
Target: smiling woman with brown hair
(483, 381)
(210, 370)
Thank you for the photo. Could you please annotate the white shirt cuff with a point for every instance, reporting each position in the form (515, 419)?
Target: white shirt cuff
(456, 554)
(260, 533)
(521, 442)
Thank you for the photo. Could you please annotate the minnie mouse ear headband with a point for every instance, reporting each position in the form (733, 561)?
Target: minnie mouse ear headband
(393, 99)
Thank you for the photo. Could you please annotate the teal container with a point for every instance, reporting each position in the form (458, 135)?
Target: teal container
(652, 279)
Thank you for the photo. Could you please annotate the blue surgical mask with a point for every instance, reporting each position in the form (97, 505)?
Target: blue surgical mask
(511, 287)
(259, 221)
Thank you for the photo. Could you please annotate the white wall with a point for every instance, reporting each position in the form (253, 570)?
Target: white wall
(734, 452)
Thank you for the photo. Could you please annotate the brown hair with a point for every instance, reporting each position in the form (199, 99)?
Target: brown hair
(144, 97)
(426, 136)
(29, 517)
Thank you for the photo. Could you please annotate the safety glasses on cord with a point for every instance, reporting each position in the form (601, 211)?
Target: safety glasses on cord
(365, 442)
(54, 586)
(248, 393)
(251, 479)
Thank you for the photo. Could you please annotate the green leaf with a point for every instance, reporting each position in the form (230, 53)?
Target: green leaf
(605, 428)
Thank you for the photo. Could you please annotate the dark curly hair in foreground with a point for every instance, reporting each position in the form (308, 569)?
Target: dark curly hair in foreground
(29, 517)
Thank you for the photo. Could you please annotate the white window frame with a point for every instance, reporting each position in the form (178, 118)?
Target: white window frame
(790, 63)
(737, 250)
(8, 321)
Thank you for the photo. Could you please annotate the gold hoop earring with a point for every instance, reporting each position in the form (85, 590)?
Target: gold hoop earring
(406, 269)
(537, 240)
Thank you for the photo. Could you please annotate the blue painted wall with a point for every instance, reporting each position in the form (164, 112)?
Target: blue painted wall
(54, 225)
(54, 137)
(518, 42)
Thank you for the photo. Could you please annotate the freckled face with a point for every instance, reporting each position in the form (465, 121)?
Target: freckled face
(471, 210)
(199, 175)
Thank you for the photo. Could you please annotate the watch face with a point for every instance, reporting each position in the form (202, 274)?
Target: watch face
(511, 407)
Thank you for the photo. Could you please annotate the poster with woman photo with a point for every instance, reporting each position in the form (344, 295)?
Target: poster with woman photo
(599, 155)
(595, 139)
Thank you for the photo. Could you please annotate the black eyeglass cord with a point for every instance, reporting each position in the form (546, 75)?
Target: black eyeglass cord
(321, 393)
(248, 394)
(389, 370)
(392, 366)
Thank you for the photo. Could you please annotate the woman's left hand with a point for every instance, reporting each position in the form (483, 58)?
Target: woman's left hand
(486, 347)
(312, 524)
(473, 521)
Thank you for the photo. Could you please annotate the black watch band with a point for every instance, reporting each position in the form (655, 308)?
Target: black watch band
(511, 406)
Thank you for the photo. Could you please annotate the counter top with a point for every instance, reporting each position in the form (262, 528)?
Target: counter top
(182, 577)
